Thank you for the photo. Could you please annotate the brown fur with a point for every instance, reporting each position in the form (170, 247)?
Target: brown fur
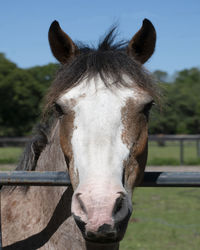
(66, 131)
(127, 120)
(135, 136)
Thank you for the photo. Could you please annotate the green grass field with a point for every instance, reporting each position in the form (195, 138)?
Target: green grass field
(10, 155)
(163, 219)
(158, 155)
(170, 154)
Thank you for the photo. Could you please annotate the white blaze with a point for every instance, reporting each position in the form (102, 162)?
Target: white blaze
(97, 144)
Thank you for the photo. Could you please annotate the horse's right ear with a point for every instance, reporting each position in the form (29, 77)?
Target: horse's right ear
(62, 46)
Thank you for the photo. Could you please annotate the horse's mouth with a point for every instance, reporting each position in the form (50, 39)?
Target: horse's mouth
(103, 239)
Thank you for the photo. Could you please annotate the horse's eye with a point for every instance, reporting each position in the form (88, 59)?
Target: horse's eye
(58, 109)
(147, 108)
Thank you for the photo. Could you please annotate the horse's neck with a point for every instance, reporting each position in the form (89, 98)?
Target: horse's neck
(52, 157)
(54, 202)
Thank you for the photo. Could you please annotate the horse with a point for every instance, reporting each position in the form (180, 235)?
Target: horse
(94, 127)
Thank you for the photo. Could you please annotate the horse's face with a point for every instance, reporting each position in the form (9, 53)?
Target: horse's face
(103, 135)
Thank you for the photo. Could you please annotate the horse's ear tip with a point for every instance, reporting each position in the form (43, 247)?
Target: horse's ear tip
(54, 24)
(147, 22)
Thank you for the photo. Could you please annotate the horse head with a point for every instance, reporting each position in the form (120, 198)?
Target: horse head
(103, 97)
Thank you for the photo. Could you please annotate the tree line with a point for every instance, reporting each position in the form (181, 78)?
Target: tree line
(22, 91)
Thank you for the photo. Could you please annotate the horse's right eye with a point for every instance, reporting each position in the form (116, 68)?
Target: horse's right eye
(147, 108)
(58, 109)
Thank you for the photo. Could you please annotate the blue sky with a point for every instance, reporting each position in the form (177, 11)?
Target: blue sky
(24, 27)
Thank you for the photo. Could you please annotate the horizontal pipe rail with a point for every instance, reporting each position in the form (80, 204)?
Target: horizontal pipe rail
(171, 179)
(174, 137)
(34, 178)
(151, 179)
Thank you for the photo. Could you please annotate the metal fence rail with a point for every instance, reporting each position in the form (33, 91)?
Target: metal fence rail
(13, 141)
(151, 179)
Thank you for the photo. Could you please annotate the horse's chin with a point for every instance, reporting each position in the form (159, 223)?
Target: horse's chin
(102, 245)
(102, 241)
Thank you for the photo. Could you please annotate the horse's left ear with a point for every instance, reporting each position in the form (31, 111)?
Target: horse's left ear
(142, 45)
(62, 46)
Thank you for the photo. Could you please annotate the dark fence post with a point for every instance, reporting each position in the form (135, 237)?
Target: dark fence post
(0, 222)
(181, 152)
(198, 148)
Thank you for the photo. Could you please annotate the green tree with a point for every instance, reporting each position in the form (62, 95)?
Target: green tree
(181, 107)
(6, 66)
(20, 95)
(44, 75)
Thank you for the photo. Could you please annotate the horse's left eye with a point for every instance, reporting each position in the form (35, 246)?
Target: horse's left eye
(58, 109)
(147, 108)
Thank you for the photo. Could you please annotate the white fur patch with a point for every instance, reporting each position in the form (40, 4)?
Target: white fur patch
(97, 138)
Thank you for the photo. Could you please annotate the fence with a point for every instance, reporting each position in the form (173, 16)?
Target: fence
(13, 141)
(161, 139)
(151, 179)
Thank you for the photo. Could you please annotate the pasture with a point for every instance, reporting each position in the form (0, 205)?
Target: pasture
(157, 156)
(169, 154)
(10, 155)
(164, 218)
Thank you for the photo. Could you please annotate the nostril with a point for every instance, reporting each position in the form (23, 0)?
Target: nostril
(81, 224)
(121, 212)
(81, 204)
(118, 205)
